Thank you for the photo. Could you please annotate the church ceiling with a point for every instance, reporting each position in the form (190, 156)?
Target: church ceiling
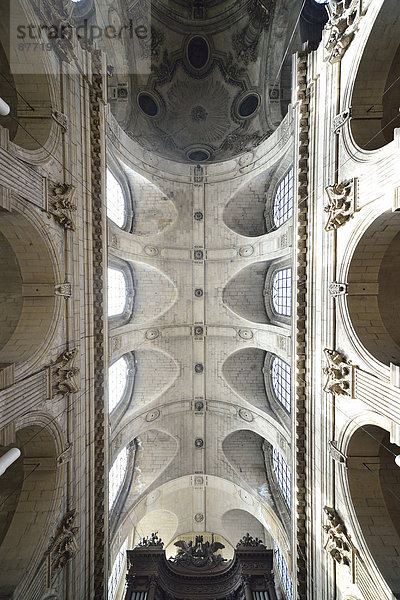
(204, 86)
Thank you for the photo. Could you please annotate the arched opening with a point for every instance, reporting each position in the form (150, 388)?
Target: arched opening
(374, 288)
(27, 292)
(374, 482)
(26, 490)
(23, 84)
(375, 100)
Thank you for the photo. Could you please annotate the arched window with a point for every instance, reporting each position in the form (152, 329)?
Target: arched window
(282, 292)
(283, 201)
(281, 381)
(117, 382)
(116, 210)
(283, 573)
(118, 568)
(116, 476)
(282, 474)
(116, 292)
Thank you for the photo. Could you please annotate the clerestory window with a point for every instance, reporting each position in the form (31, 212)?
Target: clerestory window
(117, 382)
(282, 292)
(116, 209)
(116, 476)
(281, 382)
(283, 201)
(282, 474)
(117, 292)
(283, 573)
(118, 568)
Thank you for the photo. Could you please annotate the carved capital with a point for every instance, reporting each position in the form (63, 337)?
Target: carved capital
(63, 289)
(341, 119)
(338, 543)
(339, 372)
(65, 455)
(336, 454)
(61, 119)
(342, 203)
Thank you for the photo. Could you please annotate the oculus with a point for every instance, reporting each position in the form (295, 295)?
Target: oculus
(198, 155)
(248, 105)
(198, 52)
(148, 104)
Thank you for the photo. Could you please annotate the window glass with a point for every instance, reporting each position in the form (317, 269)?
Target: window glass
(118, 567)
(116, 476)
(282, 292)
(283, 201)
(282, 474)
(117, 381)
(115, 200)
(281, 382)
(116, 292)
(283, 573)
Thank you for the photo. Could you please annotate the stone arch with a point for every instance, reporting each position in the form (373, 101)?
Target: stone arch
(29, 489)
(244, 292)
(26, 85)
(243, 450)
(373, 298)
(243, 371)
(27, 289)
(375, 94)
(374, 485)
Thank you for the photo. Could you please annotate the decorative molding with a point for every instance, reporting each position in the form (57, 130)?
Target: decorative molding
(340, 374)
(61, 206)
(62, 547)
(341, 119)
(5, 198)
(342, 25)
(97, 157)
(246, 415)
(63, 374)
(337, 289)
(342, 203)
(338, 543)
(7, 434)
(6, 375)
(336, 454)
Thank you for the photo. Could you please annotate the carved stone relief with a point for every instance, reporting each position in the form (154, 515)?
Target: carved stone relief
(342, 203)
(64, 374)
(337, 542)
(61, 205)
(342, 25)
(63, 545)
(339, 374)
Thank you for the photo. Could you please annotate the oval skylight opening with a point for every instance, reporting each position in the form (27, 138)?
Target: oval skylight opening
(148, 105)
(198, 52)
(249, 105)
(198, 155)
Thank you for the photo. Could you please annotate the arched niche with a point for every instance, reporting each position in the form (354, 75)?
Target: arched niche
(28, 487)
(244, 213)
(243, 371)
(374, 289)
(24, 84)
(244, 293)
(375, 99)
(374, 484)
(27, 289)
